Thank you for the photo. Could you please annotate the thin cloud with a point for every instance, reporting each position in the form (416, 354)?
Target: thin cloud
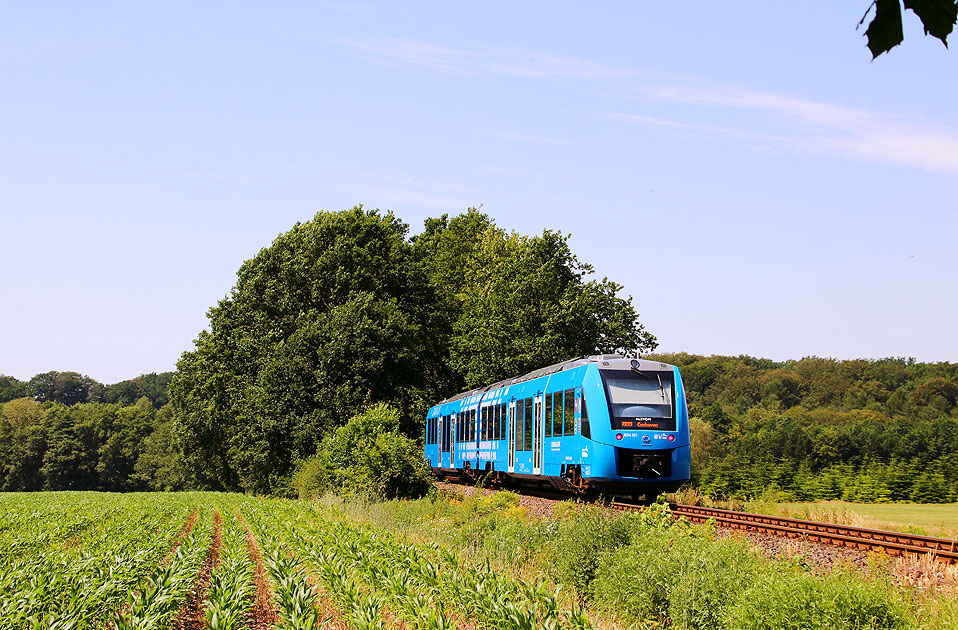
(528, 137)
(787, 122)
(513, 62)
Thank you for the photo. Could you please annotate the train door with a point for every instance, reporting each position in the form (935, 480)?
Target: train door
(441, 439)
(537, 437)
(454, 422)
(512, 436)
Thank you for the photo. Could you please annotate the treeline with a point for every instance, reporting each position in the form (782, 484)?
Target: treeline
(859, 430)
(70, 388)
(87, 446)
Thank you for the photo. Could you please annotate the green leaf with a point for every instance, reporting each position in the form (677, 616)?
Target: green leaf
(937, 16)
(885, 30)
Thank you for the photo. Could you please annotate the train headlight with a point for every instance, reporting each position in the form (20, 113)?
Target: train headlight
(618, 436)
(671, 438)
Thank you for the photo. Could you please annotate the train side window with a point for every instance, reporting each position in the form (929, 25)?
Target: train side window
(527, 434)
(496, 421)
(472, 426)
(548, 415)
(517, 421)
(569, 412)
(557, 414)
(586, 429)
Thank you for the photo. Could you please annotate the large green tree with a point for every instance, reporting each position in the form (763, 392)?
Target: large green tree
(334, 316)
(515, 303)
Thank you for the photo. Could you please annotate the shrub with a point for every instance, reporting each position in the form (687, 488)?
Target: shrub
(580, 539)
(368, 457)
(675, 575)
(795, 600)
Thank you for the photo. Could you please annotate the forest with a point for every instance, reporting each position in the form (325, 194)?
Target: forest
(347, 313)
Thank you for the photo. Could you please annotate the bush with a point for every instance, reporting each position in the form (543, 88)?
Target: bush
(674, 575)
(369, 458)
(791, 599)
(580, 539)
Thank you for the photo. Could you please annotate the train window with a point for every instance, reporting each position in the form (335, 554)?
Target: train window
(557, 414)
(586, 430)
(517, 422)
(527, 432)
(569, 412)
(548, 415)
(496, 421)
(472, 425)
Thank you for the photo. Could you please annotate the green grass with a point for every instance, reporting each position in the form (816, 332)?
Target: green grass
(930, 519)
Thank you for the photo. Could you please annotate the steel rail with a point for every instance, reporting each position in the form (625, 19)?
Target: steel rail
(892, 543)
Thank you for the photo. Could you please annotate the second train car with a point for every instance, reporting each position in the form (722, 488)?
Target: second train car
(603, 424)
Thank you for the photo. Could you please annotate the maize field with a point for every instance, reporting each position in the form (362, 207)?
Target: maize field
(77, 561)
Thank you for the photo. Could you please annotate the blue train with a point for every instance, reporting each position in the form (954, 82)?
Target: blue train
(602, 424)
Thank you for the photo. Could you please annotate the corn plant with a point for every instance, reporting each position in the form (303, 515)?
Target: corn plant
(232, 586)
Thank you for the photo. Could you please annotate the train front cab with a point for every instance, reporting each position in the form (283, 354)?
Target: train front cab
(640, 438)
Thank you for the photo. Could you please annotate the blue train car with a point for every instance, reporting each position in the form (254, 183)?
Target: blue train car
(599, 424)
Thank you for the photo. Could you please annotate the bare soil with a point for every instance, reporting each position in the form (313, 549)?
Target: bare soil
(262, 615)
(192, 616)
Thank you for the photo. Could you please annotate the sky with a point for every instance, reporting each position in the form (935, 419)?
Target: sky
(755, 181)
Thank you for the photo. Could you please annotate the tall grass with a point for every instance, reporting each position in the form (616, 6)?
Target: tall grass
(646, 570)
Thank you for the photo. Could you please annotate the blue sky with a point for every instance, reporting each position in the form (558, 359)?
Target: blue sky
(751, 177)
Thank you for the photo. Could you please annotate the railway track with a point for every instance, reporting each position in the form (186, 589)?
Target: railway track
(892, 543)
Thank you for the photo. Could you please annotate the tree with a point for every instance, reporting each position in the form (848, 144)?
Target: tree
(11, 388)
(121, 438)
(334, 316)
(517, 303)
(22, 445)
(154, 386)
(885, 31)
(67, 388)
(70, 460)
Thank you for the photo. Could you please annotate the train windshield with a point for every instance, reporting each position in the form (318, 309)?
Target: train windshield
(640, 392)
(640, 400)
